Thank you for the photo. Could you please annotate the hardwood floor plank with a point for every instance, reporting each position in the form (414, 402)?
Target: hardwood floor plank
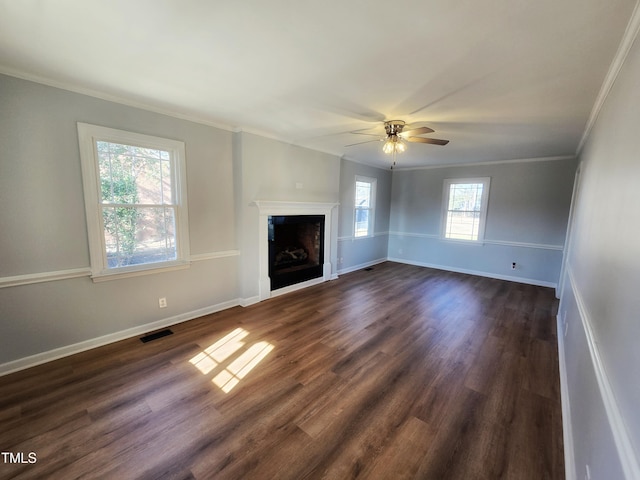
(460, 428)
(533, 419)
(542, 359)
(394, 372)
(404, 452)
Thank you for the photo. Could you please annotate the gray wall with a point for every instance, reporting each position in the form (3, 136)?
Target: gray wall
(355, 253)
(600, 304)
(270, 170)
(44, 228)
(526, 220)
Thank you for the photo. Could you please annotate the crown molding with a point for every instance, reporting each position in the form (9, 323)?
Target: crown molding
(114, 98)
(492, 162)
(630, 34)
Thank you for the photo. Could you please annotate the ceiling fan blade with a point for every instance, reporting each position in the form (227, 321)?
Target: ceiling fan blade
(433, 141)
(360, 143)
(417, 131)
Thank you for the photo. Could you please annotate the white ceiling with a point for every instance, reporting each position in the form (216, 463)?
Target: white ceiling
(500, 79)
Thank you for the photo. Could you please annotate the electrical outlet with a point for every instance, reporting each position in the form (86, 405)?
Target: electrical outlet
(513, 265)
(162, 302)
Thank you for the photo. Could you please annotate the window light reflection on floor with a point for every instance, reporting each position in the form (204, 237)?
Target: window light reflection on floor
(214, 356)
(211, 356)
(236, 370)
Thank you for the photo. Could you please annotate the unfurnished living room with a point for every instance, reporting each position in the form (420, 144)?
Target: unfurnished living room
(319, 240)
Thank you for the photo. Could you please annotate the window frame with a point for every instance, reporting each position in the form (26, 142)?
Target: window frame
(371, 208)
(446, 192)
(88, 136)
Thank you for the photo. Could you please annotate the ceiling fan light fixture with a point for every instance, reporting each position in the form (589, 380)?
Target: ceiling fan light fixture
(397, 137)
(388, 147)
(393, 144)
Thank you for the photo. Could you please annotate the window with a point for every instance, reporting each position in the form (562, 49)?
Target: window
(364, 206)
(465, 208)
(135, 200)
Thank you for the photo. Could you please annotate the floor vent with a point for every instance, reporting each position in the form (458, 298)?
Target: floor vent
(156, 335)
(368, 269)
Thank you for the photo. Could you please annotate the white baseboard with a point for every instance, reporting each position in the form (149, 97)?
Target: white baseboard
(361, 266)
(528, 281)
(567, 431)
(44, 357)
(246, 302)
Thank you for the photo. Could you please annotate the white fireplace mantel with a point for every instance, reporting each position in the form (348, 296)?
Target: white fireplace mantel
(268, 208)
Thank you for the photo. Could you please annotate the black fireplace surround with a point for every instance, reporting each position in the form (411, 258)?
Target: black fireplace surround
(296, 249)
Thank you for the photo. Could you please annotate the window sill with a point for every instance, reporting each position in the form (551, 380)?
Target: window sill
(127, 272)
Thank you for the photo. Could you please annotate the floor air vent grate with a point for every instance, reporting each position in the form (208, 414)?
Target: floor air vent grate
(156, 335)
(368, 269)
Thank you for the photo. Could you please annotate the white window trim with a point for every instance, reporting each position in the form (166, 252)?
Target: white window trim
(486, 181)
(88, 135)
(372, 208)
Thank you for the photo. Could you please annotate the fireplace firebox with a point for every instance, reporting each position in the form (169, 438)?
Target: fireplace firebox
(296, 249)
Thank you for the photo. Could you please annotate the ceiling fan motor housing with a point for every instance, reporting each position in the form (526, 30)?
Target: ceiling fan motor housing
(394, 127)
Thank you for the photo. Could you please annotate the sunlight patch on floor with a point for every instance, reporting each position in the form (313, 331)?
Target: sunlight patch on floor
(216, 354)
(236, 370)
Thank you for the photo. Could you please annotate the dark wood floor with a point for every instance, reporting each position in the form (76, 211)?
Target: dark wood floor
(398, 372)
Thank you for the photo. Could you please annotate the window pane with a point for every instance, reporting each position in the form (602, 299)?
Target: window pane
(104, 167)
(165, 172)
(148, 180)
(146, 152)
(138, 235)
(110, 231)
(130, 174)
(120, 235)
(363, 194)
(117, 174)
(477, 199)
(362, 222)
(465, 196)
(156, 235)
(463, 225)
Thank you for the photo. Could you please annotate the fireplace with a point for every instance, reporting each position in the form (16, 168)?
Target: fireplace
(267, 211)
(296, 249)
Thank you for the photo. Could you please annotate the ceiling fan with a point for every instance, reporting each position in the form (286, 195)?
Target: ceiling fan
(394, 142)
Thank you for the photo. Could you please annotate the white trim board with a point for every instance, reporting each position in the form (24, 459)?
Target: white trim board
(354, 238)
(528, 281)
(40, 277)
(630, 463)
(504, 243)
(212, 255)
(56, 353)
(247, 302)
(567, 431)
(490, 162)
(30, 278)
